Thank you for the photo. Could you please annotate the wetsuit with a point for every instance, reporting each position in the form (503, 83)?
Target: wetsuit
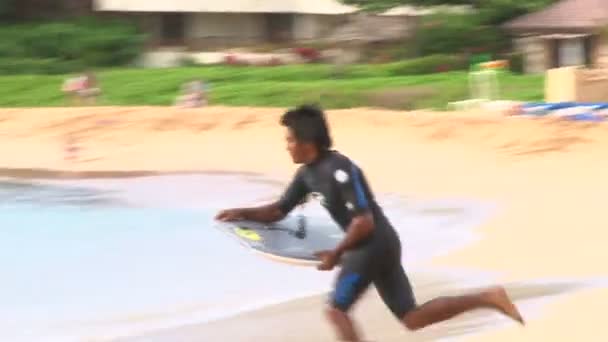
(342, 189)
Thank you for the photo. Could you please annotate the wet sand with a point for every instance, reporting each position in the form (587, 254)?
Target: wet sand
(547, 176)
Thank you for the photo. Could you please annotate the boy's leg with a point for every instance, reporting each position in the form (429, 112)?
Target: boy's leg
(396, 292)
(352, 281)
(444, 308)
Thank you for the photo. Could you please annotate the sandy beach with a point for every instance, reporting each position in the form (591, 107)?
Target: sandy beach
(547, 177)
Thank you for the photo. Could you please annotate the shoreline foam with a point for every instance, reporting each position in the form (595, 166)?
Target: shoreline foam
(138, 193)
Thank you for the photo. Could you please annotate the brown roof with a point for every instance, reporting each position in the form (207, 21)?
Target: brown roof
(564, 16)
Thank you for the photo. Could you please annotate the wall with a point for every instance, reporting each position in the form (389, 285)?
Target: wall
(219, 28)
(163, 58)
(601, 53)
(151, 24)
(560, 84)
(209, 29)
(576, 84)
(171, 57)
(312, 26)
(592, 85)
(536, 54)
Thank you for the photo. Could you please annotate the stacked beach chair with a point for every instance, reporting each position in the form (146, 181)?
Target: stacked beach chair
(576, 111)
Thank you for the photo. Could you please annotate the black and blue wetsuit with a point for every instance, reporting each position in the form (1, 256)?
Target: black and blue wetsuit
(342, 189)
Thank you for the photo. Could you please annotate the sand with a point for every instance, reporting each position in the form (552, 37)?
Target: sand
(548, 178)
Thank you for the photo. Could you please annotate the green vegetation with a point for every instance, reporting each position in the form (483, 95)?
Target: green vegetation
(35, 58)
(459, 33)
(359, 85)
(447, 32)
(495, 11)
(67, 46)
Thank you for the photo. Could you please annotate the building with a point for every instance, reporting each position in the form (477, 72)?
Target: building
(568, 33)
(205, 24)
(203, 30)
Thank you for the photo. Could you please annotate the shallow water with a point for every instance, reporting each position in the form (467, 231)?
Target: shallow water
(114, 257)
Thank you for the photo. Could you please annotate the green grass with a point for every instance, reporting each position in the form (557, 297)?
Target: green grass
(267, 86)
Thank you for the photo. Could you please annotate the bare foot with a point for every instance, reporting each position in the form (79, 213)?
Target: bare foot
(499, 299)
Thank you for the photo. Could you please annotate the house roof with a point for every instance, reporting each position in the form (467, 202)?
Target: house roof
(564, 16)
(226, 6)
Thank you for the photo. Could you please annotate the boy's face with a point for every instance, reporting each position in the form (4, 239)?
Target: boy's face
(300, 152)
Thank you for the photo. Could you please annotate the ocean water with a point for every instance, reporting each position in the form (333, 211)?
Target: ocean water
(94, 259)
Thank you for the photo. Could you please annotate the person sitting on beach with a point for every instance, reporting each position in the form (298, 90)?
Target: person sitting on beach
(194, 95)
(82, 89)
(370, 252)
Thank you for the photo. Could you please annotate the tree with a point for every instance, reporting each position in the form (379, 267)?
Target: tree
(494, 11)
(381, 5)
(7, 9)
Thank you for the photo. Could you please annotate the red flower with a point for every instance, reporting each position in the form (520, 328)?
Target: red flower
(307, 53)
(442, 68)
(231, 60)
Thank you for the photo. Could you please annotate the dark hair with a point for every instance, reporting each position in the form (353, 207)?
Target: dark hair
(308, 124)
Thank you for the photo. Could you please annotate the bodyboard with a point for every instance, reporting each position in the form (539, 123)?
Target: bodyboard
(288, 241)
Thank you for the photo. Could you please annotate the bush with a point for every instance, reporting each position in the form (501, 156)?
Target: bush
(114, 43)
(457, 33)
(496, 12)
(84, 42)
(10, 45)
(50, 66)
(54, 40)
(7, 9)
(516, 62)
(427, 65)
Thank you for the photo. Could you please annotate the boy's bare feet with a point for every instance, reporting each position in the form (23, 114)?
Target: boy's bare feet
(498, 298)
